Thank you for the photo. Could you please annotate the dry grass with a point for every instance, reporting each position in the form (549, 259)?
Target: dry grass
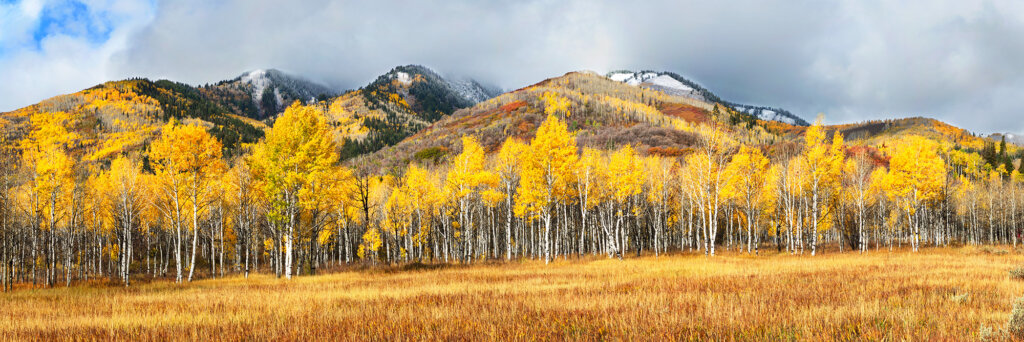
(938, 294)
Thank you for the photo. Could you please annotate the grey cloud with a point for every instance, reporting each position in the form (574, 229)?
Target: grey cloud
(961, 62)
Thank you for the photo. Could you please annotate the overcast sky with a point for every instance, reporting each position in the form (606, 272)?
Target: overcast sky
(959, 61)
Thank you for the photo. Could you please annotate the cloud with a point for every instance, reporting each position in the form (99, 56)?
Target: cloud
(54, 47)
(958, 61)
(347, 44)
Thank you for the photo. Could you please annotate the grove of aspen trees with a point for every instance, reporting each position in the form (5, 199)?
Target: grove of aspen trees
(287, 205)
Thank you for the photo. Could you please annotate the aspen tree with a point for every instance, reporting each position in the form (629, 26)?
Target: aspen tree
(188, 159)
(297, 149)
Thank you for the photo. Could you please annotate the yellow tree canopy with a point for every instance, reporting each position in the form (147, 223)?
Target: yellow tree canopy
(917, 172)
(45, 150)
(824, 160)
(745, 174)
(467, 172)
(548, 167)
(626, 174)
(186, 149)
(296, 150)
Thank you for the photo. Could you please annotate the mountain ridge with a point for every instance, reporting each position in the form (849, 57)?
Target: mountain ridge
(647, 109)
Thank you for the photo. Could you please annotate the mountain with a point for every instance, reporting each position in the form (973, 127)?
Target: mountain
(261, 94)
(413, 114)
(674, 84)
(125, 115)
(609, 112)
(604, 113)
(396, 105)
(1011, 138)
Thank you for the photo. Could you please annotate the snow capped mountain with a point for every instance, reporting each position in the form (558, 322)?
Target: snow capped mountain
(674, 84)
(295, 87)
(466, 88)
(270, 91)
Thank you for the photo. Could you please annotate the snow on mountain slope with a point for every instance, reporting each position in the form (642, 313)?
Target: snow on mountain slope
(470, 89)
(656, 81)
(766, 114)
(673, 84)
(259, 81)
(259, 84)
(403, 77)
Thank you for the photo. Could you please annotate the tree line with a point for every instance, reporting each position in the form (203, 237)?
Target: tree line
(289, 206)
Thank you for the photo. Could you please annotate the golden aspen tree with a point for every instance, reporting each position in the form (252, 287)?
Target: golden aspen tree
(857, 174)
(824, 162)
(365, 186)
(378, 197)
(125, 205)
(149, 217)
(625, 178)
(239, 190)
(889, 210)
(1014, 180)
(399, 217)
(746, 181)
(791, 189)
(45, 152)
(507, 169)
(770, 204)
(318, 206)
(465, 179)
(296, 150)
(916, 177)
(554, 104)
(188, 159)
(657, 173)
(421, 192)
(586, 174)
(345, 211)
(705, 171)
(967, 205)
(993, 187)
(546, 173)
(9, 163)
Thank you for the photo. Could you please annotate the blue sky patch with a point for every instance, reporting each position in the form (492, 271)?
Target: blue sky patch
(72, 18)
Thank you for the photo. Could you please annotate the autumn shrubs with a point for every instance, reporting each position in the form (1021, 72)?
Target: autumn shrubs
(1017, 273)
(1014, 325)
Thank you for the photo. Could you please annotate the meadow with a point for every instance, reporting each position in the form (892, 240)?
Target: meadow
(934, 294)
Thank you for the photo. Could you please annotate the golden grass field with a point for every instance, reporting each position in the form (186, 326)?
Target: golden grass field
(935, 294)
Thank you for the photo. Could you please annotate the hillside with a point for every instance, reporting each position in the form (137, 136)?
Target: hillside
(124, 115)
